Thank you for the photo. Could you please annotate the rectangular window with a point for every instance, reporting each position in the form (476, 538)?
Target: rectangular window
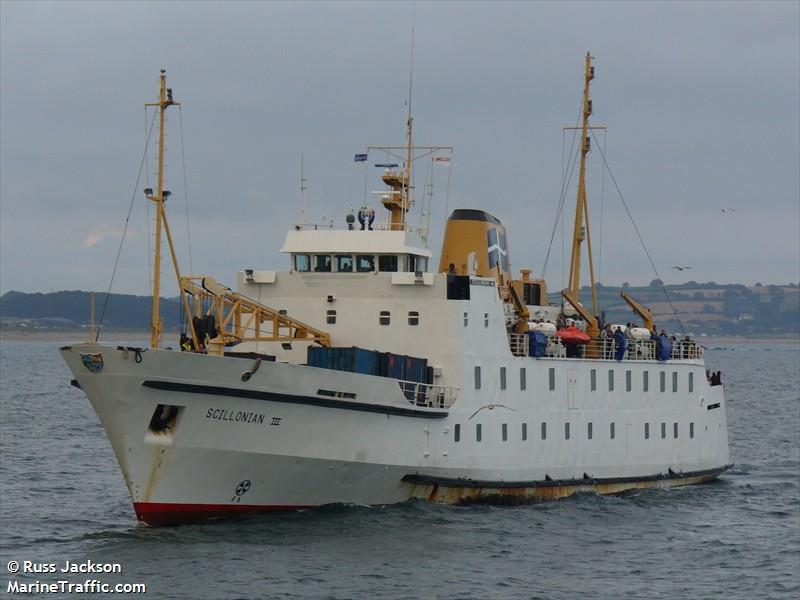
(365, 263)
(610, 380)
(385, 317)
(645, 381)
(647, 431)
(524, 431)
(457, 432)
(552, 376)
(330, 317)
(544, 431)
(477, 378)
(322, 263)
(502, 378)
(413, 317)
(589, 431)
(628, 381)
(566, 431)
(478, 433)
(663, 431)
(691, 430)
(387, 262)
(466, 319)
(674, 381)
(612, 433)
(485, 319)
(302, 263)
(663, 378)
(504, 430)
(593, 379)
(675, 430)
(691, 382)
(523, 383)
(344, 263)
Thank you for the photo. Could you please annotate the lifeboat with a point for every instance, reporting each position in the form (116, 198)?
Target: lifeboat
(573, 335)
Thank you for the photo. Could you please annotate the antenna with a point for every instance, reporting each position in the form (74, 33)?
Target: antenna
(303, 188)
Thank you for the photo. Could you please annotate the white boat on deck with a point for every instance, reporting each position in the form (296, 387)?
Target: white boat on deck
(366, 374)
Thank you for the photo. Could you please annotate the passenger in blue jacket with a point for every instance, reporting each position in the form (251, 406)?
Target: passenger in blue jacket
(621, 344)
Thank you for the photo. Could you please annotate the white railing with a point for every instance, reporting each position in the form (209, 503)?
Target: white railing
(428, 394)
(339, 226)
(604, 349)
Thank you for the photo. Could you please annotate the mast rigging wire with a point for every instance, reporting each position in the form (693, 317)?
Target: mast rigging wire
(185, 191)
(641, 239)
(125, 228)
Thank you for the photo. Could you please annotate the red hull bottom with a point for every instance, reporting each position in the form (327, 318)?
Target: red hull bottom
(159, 514)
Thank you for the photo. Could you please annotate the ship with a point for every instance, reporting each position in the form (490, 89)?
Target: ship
(366, 374)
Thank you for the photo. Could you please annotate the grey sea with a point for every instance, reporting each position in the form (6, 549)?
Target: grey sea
(62, 499)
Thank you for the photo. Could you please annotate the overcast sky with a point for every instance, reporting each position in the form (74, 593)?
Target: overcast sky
(701, 100)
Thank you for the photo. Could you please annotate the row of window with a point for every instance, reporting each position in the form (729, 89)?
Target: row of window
(485, 319)
(384, 317)
(359, 263)
(612, 434)
(523, 384)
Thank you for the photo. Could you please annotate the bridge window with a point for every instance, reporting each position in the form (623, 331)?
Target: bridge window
(504, 430)
(674, 381)
(365, 263)
(478, 433)
(502, 378)
(552, 377)
(387, 262)
(344, 263)
(330, 317)
(691, 382)
(524, 431)
(593, 379)
(322, 263)
(477, 378)
(417, 263)
(523, 383)
(302, 263)
(385, 317)
(628, 381)
(612, 432)
(457, 432)
(645, 381)
(413, 317)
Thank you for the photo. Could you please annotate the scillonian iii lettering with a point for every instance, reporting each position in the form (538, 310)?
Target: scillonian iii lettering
(238, 416)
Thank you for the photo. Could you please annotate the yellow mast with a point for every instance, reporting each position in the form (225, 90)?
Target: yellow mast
(581, 231)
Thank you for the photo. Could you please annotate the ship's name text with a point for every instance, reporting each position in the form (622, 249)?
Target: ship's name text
(238, 416)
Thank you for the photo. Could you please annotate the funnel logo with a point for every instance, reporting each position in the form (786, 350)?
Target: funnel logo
(498, 251)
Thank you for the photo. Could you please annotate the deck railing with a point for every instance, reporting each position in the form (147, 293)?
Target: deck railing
(428, 394)
(604, 349)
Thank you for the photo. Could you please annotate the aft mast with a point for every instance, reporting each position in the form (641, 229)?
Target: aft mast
(581, 230)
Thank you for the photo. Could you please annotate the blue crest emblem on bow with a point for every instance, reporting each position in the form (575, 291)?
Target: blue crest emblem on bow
(93, 361)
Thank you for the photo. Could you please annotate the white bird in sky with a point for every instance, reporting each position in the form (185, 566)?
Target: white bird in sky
(727, 210)
(681, 268)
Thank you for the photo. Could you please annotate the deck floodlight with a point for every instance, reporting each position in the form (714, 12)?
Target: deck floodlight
(148, 191)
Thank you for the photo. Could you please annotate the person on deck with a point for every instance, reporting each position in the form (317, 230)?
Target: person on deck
(621, 344)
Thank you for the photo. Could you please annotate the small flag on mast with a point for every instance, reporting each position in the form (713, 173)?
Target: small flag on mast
(360, 158)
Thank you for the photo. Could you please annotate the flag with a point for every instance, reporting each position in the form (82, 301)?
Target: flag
(443, 160)
(360, 158)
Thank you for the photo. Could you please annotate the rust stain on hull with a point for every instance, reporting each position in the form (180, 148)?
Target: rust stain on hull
(454, 494)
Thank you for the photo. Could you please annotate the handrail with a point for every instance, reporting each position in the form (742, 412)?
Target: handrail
(428, 394)
(604, 349)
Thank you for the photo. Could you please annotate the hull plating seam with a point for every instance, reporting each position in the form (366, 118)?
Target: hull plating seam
(418, 479)
(172, 386)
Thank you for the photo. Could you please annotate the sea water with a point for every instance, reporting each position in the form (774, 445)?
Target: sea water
(62, 498)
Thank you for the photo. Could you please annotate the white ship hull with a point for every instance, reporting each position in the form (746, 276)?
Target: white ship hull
(274, 442)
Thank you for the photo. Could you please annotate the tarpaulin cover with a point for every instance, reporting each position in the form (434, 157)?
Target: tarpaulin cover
(573, 335)
(663, 348)
(537, 343)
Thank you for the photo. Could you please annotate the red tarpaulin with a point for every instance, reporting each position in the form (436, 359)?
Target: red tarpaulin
(573, 335)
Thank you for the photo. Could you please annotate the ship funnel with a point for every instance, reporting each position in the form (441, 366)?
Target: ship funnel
(475, 243)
